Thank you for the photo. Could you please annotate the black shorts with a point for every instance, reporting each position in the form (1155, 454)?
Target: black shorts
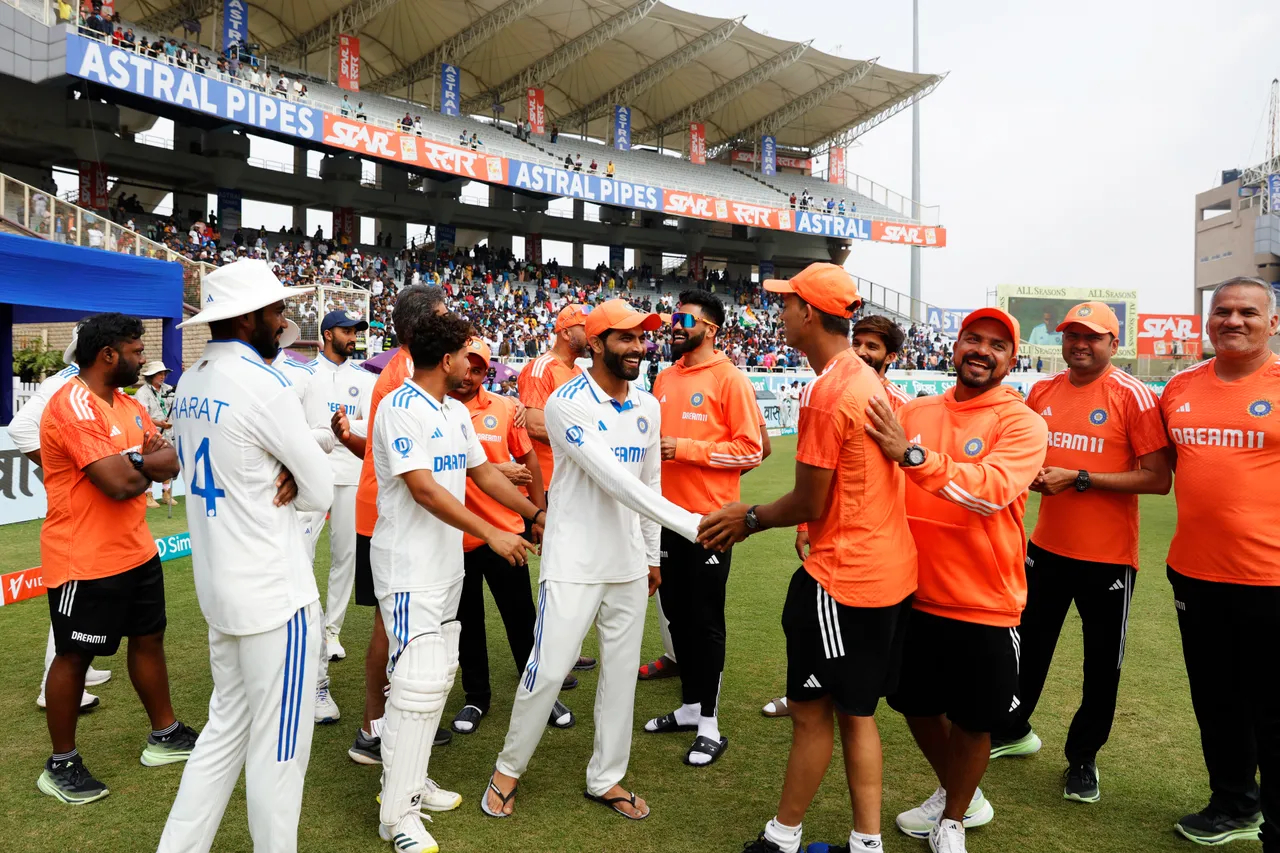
(91, 616)
(851, 654)
(364, 573)
(967, 671)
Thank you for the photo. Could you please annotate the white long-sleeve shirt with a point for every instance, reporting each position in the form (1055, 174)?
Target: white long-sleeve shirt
(24, 429)
(301, 374)
(606, 509)
(345, 386)
(238, 422)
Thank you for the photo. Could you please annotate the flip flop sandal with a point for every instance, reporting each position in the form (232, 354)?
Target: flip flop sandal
(558, 710)
(506, 798)
(471, 715)
(706, 746)
(665, 724)
(779, 707)
(612, 803)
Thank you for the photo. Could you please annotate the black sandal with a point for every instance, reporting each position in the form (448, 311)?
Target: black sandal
(706, 746)
(506, 798)
(665, 724)
(471, 715)
(612, 803)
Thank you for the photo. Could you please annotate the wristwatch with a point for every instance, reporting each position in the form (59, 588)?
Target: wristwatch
(913, 456)
(135, 459)
(1083, 482)
(750, 520)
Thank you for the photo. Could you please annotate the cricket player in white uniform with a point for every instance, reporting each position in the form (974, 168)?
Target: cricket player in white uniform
(424, 448)
(601, 555)
(237, 422)
(24, 429)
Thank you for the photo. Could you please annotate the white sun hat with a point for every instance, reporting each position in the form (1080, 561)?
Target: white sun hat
(69, 354)
(239, 288)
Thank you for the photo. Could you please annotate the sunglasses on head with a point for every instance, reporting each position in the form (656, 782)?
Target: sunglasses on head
(687, 321)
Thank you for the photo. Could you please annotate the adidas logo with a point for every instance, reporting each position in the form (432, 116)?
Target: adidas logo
(437, 433)
(1181, 605)
(115, 430)
(1185, 407)
(713, 560)
(1048, 410)
(812, 682)
(664, 399)
(603, 428)
(915, 439)
(1013, 707)
(1119, 584)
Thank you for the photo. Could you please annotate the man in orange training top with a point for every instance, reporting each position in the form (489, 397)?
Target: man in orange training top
(710, 435)
(1224, 562)
(845, 617)
(969, 456)
(1106, 446)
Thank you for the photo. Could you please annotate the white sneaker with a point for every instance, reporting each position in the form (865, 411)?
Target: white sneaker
(94, 677)
(947, 836)
(919, 822)
(87, 701)
(409, 835)
(437, 799)
(326, 708)
(335, 649)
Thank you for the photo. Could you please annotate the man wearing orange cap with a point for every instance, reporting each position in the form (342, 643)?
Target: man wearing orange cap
(847, 607)
(972, 453)
(1106, 447)
(600, 556)
(508, 447)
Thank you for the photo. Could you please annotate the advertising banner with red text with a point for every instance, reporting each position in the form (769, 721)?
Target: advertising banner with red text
(93, 185)
(349, 62)
(697, 143)
(344, 223)
(699, 206)
(931, 236)
(536, 109)
(835, 166)
(533, 248)
(369, 140)
(783, 161)
(1169, 335)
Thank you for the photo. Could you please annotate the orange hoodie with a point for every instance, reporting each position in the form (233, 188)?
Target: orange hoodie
(965, 503)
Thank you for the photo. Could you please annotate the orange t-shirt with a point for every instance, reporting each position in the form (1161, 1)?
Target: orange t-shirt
(535, 384)
(398, 369)
(1227, 436)
(860, 548)
(494, 419)
(87, 535)
(898, 397)
(1102, 427)
(966, 502)
(712, 413)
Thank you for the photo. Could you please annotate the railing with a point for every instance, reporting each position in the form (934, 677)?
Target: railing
(52, 218)
(896, 203)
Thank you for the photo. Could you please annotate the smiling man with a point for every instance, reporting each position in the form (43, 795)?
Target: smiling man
(1224, 561)
(1106, 447)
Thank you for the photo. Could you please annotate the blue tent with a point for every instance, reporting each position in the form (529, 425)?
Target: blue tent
(46, 282)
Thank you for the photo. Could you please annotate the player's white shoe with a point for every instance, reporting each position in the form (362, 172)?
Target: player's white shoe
(947, 836)
(335, 649)
(87, 701)
(326, 708)
(920, 821)
(94, 677)
(409, 835)
(437, 799)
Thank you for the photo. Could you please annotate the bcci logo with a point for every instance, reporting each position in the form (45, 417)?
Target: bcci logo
(973, 447)
(490, 422)
(1098, 417)
(642, 424)
(573, 435)
(1260, 408)
(353, 391)
(137, 419)
(696, 400)
(1084, 312)
(402, 446)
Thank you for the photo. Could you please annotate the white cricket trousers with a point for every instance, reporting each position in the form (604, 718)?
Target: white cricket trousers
(566, 612)
(342, 553)
(405, 615)
(261, 717)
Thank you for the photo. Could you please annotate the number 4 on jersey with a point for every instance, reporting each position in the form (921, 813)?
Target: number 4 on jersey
(201, 482)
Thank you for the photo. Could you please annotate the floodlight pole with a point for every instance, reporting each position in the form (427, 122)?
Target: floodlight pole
(915, 162)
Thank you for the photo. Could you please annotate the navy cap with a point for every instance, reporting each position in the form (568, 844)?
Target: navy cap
(346, 319)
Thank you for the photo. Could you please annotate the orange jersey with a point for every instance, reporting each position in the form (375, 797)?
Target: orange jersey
(397, 370)
(86, 534)
(966, 502)
(1102, 427)
(861, 551)
(494, 419)
(897, 395)
(711, 412)
(1227, 437)
(535, 383)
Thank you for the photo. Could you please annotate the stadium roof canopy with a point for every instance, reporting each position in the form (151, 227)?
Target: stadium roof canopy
(670, 66)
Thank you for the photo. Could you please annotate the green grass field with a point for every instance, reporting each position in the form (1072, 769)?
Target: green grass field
(1151, 771)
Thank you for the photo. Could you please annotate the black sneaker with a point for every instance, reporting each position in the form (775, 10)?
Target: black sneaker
(174, 747)
(1211, 826)
(366, 749)
(1081, 783)
(761, 845)
(443, 736)
(70, 781)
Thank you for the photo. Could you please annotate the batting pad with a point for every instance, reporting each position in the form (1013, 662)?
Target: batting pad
(420, 684)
